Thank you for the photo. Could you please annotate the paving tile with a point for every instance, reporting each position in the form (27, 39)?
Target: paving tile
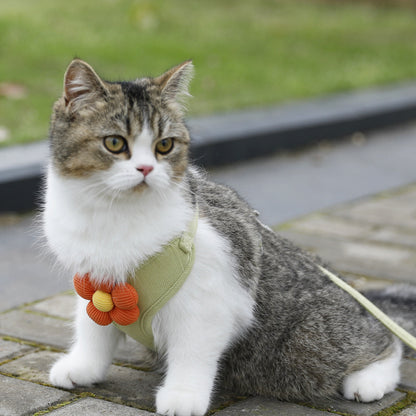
(55, 332)
(35, 367)
(360, 409)
(368, 259)
(367, 252)
(364, 283)
(125, 384)
(410, 411)
(137, 388)
(408, 371)
(10, 349)
(31, 367)
(58, 333)
(131, 386)
(350, 229)
(131, 352)
(122, 383)
(36, 328)
(323, 224)
(62, 305)
(20, 397)
(265, 407)
(398, 210)
(393, 235)
(97, 407)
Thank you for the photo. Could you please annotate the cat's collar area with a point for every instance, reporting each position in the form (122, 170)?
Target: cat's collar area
(156, 281)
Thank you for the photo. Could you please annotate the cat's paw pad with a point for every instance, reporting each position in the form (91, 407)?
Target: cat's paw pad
(181, 402)
(69, 372)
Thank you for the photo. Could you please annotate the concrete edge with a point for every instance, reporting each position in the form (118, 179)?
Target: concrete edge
(234, 137)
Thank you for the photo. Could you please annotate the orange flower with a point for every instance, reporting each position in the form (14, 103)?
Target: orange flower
(108, 303)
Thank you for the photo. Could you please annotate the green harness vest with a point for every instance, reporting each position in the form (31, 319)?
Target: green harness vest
(158, 279)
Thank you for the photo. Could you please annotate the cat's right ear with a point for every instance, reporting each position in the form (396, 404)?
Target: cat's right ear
(82, 86)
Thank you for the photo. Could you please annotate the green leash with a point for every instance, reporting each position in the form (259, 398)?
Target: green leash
(397, 330)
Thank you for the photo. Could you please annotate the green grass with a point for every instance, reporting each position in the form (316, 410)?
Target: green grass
(247, 53)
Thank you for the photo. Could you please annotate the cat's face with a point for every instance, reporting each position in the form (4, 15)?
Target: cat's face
(121, 137)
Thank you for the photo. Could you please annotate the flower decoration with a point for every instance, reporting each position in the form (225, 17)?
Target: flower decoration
(108, 303)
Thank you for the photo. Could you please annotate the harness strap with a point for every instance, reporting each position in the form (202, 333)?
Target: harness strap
(397, 330)
(159, 279)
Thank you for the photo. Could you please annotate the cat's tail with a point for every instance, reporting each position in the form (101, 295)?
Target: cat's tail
(399, 303)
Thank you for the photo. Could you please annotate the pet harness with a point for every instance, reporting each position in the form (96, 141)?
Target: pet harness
(131, 307)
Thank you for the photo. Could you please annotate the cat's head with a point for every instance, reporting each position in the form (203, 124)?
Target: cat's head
(121, 136)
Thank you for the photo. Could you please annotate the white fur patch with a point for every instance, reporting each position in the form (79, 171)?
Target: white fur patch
(105, 236)
(198, 324)
(90, 356)
(375, 380)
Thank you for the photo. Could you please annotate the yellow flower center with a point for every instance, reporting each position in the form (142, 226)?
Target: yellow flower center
(102, 301)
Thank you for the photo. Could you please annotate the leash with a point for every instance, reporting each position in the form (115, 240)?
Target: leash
(397, 330)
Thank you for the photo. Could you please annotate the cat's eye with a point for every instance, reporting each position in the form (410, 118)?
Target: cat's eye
(115, 144)
(164, 146)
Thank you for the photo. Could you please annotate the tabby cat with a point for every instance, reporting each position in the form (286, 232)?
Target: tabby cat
(254, 315)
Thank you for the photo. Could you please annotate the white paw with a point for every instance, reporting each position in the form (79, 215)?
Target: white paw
(361, 389)
(69, 372)
(374, 381)
(181, 402)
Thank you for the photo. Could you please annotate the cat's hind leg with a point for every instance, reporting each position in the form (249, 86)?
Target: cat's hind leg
(374, 381)
(90, 356)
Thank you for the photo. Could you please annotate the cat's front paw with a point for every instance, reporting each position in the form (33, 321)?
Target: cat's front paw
(181, 402)
(70, 371)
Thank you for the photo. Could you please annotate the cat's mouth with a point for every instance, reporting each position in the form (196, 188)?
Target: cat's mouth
(125, 183)
(140, 186)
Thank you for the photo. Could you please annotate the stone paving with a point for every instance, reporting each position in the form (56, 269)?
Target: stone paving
(370, 241)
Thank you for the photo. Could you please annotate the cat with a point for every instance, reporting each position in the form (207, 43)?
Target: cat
(255, 315)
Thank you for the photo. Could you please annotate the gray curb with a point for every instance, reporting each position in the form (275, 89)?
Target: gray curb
(230, 138)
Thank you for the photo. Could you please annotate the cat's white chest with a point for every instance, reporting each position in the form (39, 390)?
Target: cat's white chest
(108, 241)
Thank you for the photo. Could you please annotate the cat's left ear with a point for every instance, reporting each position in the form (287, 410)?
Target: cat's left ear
(174, 84)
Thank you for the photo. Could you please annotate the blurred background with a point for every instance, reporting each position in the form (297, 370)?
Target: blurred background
(250, 56)
(247, 53)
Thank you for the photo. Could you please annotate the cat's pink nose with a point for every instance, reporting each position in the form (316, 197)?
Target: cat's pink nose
(145, 169)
